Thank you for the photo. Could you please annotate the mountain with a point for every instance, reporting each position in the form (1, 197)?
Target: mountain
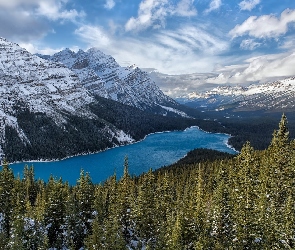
(275, 96)
(47, 113)
(103, 76)
(39, 100)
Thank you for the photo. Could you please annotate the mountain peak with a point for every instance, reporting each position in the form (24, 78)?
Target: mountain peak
(103, 76)
(43, 101)
(271, 96)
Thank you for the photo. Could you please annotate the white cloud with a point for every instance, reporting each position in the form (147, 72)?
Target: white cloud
(55, 10)
(16, 3)
(24, 27)
(24, 19)
(184, 50)
(150, 12)
(94, 35)
(52, 9)
(153, 13)
(34, 50)
(248, 4)
(186, 8)
(266, 26)
(249, 44)
(214, 5)
(288, 43)
(109, 4)
(257, 69)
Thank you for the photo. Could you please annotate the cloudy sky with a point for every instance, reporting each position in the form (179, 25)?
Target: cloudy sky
(240, 40)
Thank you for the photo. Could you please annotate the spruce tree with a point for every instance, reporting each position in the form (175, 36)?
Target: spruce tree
(6, 198)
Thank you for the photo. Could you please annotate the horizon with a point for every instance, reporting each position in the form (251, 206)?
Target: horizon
(229, 42)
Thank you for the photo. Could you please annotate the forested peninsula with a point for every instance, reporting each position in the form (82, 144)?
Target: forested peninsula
(241, 202)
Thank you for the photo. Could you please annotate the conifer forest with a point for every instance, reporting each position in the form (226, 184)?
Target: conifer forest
(241, 202)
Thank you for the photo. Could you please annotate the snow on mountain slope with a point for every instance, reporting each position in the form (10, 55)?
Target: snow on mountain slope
(43, 85)
(278, 95)
(49, 90)
(102, 76)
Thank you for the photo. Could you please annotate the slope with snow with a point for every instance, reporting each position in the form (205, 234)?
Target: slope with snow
(103, 76)
(33, 87)
(272, 96)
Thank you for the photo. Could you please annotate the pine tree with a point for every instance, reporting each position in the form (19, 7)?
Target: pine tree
(84, 192)
(55, 212)
(29, 184)
(124, 201)
(144, 211)
(245, 197)
(221, 211)
(6, 198)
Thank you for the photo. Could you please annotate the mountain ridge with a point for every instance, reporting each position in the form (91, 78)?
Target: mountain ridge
(103, 76)
(274, 96)
(47, 113)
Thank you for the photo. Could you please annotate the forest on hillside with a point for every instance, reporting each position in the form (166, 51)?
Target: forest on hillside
(241, 202)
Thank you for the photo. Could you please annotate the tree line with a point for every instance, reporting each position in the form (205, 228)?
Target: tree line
(241, 202)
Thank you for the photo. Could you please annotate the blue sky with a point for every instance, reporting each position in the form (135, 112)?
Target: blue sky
(239, 40)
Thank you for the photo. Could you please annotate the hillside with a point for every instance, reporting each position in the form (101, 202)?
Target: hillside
(103, 76)
(241, 202)
(275, 96)
(46, 113)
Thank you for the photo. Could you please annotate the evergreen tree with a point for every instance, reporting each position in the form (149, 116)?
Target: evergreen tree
(84, 192)
(144, 211)
(6, 198)
(124, 201)
(55, 212)
(245, 197)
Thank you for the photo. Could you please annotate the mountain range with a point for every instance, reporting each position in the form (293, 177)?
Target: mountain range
(73, 103)
(101, 75)
(277, 96)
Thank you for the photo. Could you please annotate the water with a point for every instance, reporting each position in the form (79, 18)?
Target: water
(155, 151)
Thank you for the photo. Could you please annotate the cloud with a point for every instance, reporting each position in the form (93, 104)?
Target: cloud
(34, 50)
(23, 28)
(288, 43)
(249, 44)
(54, 10)
(248, 4)
(94, 35)
(257, 69)
(214, 5)
(186, 8)
(27, 20)
(266, 26)
(109, 4)
(153, 13)
(168, 51)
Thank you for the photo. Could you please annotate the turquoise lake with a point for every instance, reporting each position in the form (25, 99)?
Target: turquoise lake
(155, 151)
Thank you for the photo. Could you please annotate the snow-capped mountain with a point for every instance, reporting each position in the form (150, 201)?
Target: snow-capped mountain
(103, 76)
(34, 90)
(46, 112)
(272, 96)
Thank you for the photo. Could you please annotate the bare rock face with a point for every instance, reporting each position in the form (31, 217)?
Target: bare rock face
(275, 96)
(103, 76)
(51, 94)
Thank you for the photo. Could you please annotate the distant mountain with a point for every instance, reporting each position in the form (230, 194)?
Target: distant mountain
(103, 76)
(269, 97)
(47, 113)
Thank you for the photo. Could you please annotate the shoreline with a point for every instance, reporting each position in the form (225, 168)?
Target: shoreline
(116, 146)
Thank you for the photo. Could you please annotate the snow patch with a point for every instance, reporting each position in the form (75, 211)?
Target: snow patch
(176, 111)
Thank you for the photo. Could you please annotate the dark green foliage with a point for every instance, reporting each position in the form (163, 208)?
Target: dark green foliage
(47, 140)
(241, 202)
(196, 156)
(136, 122)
